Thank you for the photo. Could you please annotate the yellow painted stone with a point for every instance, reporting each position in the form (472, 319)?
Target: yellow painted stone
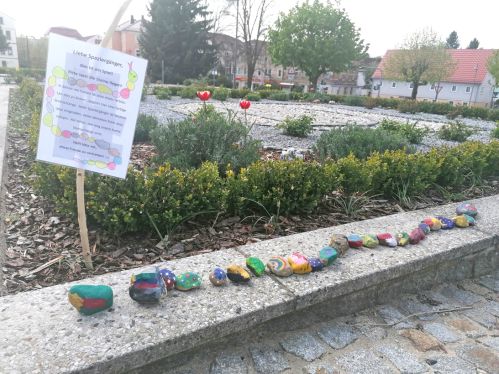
(59, 72)
(437, 225)
(91, 140)
(461, 221)
(91, 162)
(48, 120)
(52, 81)
(56, 130)
(104, 89)
(299, 264)
(100, 164)
(130, 86)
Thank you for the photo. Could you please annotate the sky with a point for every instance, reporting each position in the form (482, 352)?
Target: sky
(384, 24)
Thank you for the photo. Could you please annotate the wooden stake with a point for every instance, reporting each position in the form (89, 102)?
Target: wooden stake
(80, 173)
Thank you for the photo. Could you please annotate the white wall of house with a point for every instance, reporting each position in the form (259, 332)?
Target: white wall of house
(456, 93)
(9, 58)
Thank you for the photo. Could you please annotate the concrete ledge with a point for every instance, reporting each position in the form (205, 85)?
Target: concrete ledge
(45, 334)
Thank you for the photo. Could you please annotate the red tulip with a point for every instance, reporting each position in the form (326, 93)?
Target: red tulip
(245, 104)
(204, 95)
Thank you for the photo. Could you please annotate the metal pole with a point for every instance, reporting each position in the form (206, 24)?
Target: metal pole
(235, 47)
(27, 53)
(163, 71)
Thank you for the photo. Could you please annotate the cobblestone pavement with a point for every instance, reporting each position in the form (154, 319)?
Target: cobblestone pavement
(392, 338)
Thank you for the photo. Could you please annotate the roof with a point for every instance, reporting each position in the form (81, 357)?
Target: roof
(65, 31)
(471, 65)
(135, 26)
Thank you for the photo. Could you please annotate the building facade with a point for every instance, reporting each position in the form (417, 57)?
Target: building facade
(9, 58)
(470, 84)
(126, 37)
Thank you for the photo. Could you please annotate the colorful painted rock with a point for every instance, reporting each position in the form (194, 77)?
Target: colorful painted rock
(316, 264)
(238, 274)
(279, 266)
(218, 277)
(147, 287)
(433, 222)
(256, 265)
(299, 263)
(328, 255)
(354, 241)
(340, 242)
(188, 281)
(447, 223)
(387, 239)
(426, 229)
(370, 241)
(89, 299)
(169, 278)
(416, 236)
(467, 208)
(470, 219)
(461, 221)
(402, 239)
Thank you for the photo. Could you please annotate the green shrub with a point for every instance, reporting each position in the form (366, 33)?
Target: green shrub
(145, 125)
(408, 106)
(493, 115)
(474, 112)
(354, 100)
(300, 127)
(312, 96)
(387, 103)
(221, 94)
(455, 131)
(279, 96)
(239, 93)
(253, 96)
(266, 93)
(145, 92)
(206, 136)
(188, 92)
(163, 93)
(359, 141)
(408, 130)
(495, 132)
(175, 90)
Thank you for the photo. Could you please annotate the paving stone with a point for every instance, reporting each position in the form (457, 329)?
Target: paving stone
(303, 345)
(319, 369)
(493, 308)
(229, 363)
(451, 365)
(412, 305)
(473, 286)
(421, 341)
(482, 316)
(363, 361)
(364, 323)
(442, 332)
(490, 282)
(268, 360)
(453, 293)
(338, 335)
(483, 357)
(471, 329)
(491, 341)
(405, 361)
(390, 315)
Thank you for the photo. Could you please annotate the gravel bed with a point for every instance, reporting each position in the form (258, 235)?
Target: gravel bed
(266, 114)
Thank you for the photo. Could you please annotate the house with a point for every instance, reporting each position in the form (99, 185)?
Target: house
(8, 58)
(470, 84)
(126, 36)
(75, 34)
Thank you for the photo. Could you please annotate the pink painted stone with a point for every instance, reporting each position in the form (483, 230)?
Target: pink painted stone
(387, 239)
(50, 92)
(66, 134)
(416, 236)
(125, 93)
(111, 166)
(92, 87)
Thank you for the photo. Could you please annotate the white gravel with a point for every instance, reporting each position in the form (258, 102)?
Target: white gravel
(267, 114)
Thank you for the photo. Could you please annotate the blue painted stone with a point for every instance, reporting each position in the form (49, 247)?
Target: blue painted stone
(328, 255)
(169, 278)
(470, 220)
(447, 223)
(426, 229)
(147, 287)
(467, 208)
(218, 277)
(354, 241)
(316, 264)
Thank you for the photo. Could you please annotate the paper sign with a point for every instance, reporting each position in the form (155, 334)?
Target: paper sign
(90, 106)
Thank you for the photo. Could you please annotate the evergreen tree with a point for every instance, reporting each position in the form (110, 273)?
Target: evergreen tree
(474, 44)
(452, 41)
(3, 41)
(178, 34)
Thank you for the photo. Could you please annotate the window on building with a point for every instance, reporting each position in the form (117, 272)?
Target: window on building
(394, 84)
(1, 20)
(4, 64)
(270, 72)
(259, 73)
(411, 86)
(7, 35)
(137, 52)
(465, 104)
(280, 73)
(468, 89)
(432, 87)
(9, 51)
(454, 88)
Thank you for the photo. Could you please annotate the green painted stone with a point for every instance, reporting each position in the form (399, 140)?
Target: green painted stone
(90, 299)
(328, 255)
(256, 265)
(402, 239)
(188, 281)
(370, 241)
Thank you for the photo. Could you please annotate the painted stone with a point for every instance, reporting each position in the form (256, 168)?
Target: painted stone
(256, 265)
(238, 274)
(426, 229)
(467, 208)
(354, 241)
(218, 277)
(169, 278)
(433, 222)
(147, 287)
(340, 242)
(316, 264)
(416, 236)
(299, 263)
(188, 281)
(279, 266)
(387, 239)
(461, 221)
(328, 255)
(370, 241)
(447, 223)
(402, 239)
(470, 220)
(90, 299)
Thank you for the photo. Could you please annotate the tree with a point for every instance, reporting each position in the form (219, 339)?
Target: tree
(453, 41)
(3, 41)
(473, 44)
(178, 36)
(493, 66)
(31, 52)
(316, 38)
(422, 58)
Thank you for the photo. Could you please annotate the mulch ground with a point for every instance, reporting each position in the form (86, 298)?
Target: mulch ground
(43, 248)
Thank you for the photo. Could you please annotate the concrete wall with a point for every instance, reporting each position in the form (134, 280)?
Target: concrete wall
(9, 58)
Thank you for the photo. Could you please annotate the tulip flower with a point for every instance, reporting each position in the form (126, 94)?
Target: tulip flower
(245, 104)
(204, 95)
